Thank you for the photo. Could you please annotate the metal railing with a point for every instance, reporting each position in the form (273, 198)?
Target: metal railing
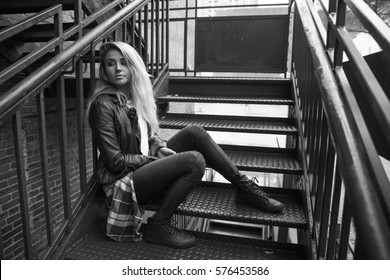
(344, 177)
(349, 189)
(141, 23)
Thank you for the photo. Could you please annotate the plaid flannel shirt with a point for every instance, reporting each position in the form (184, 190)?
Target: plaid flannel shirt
(125, 216)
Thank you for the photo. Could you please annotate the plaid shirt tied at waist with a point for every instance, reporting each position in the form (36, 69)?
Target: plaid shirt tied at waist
(125, 216)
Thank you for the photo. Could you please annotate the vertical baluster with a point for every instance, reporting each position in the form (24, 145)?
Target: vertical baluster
(186, 40)
(22, 184)
(61, 105)
(152, 72)
(333, 228)
(158, 43)
(80, 107)
(140, 32)
(80, 126)
(330, 38)
(196, 17)
(340, 22)
(92, 84)
(329, 179)
(312, 126)
(115, 35)
(44, 166)
(124, 32)
(167, 29)
(345, 231)
(316, 149)
(132, 30)
(146, 36)
(162, 34)
(321, 170)
(311, 120)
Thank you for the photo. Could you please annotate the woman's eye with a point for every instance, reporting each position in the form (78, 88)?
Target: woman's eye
(110, 63)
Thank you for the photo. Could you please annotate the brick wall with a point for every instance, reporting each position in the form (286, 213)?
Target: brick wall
(10, 217)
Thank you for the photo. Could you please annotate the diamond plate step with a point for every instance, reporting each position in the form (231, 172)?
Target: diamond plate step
(223, 97)
(229, 90)
(261, 159)
(96, 246)
(273, 87)
(230, 123)
(218, 201)
(273, 160)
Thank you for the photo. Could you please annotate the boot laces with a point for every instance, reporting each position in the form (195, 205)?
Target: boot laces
(256, 188)
(168, 227)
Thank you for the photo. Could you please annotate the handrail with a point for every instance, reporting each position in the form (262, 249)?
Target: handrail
(370, 215)
(69, 182)
(28, 22)
(378, 28)
(12, 30)
(380, 31)
(13, 98)
(23, 25)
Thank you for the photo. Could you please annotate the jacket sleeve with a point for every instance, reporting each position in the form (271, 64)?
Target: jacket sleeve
(102, 122)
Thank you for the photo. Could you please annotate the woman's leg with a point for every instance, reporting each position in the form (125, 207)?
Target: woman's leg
(196, 138)
(172, 178)
(248, 191)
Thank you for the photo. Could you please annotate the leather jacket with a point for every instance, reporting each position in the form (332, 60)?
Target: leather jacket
(116, 132)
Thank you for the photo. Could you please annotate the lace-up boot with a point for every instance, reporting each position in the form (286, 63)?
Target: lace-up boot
(249, 192)
(163, 233)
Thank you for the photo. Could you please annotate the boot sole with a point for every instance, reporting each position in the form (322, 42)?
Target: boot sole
(256, 205)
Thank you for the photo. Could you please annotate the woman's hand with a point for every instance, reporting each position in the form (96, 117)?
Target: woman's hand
(164, 152)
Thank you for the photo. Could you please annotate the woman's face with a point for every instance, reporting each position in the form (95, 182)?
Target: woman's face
(116, 70)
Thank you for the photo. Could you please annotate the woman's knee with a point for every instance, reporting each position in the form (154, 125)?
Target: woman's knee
(195, 130)
(194, 161)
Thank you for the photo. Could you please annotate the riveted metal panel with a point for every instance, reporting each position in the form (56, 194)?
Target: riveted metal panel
(241, 44)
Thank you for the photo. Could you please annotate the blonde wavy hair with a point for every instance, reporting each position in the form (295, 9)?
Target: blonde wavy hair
(140, 86)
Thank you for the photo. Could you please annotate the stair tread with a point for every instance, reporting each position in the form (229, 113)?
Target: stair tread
(214, 79)
(230, 123)
(229, 90)
(96, 246)
(218, 201)
(272, 160)
(225, 99)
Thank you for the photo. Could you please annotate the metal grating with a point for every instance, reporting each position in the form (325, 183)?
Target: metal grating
(230, 123)
(225, 99)
(218, 201)
(271, 160)
(97, 246)
(264, 159)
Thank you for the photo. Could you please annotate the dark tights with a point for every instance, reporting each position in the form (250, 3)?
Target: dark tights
(176, 175)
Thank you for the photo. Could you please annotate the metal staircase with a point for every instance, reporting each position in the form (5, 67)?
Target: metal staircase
(330, 159)
(216, 200)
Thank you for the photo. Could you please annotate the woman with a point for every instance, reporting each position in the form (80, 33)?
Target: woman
(135, 166)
